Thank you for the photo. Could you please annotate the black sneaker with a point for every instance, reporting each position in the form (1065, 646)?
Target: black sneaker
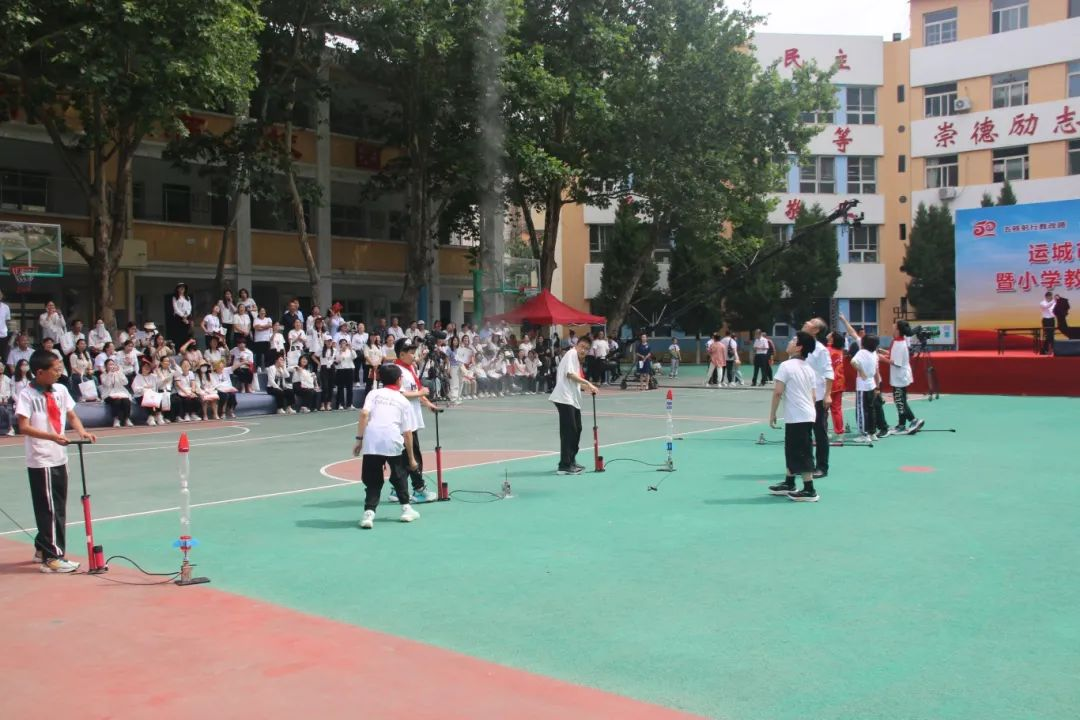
(916, 427)
(899, 430)
(782, 489)
(578, 467)
(563, 470)
(804, 496)
(820, 474)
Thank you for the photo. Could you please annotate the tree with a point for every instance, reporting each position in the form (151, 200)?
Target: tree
(692, 166)
(1007, 196)
(101, 76)
(931, 262)
(987, 200)
(753, 300)
(810, 269)
(628, 263)
(421, 55)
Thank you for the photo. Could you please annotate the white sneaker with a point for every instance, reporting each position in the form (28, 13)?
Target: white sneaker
(128, 423)
(281, 411)
(116, 423)
(60, 565)
(162, 420)
(305, 409)
(151, 421)
(11, 432)
(38, 557)
(290, 411)
(408, 514)
(368, 521)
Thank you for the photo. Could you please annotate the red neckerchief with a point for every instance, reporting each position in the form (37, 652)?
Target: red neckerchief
(411, 372)
(393, 387)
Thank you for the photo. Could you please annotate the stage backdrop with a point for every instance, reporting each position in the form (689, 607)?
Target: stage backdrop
(1006, 259)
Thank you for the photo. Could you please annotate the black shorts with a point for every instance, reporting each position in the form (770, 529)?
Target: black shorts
(798, 447)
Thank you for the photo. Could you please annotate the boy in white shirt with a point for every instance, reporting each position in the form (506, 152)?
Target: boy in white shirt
(384, 438)
(567, 398)
(43, 409)
(900, 377)
(795, 382)
(867, 391)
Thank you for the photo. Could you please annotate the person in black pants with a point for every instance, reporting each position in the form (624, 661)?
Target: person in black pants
(567, 398)
(1047, 307)
(820, 361)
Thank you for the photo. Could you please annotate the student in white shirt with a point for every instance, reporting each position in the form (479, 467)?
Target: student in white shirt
(208, 395)
(99, 336)
(345, 375)
(795, 385)
(108, 352)
(567, 398)
(140, 384)
(44, 409)
(417, 395)
(179, 325)
(384, 437)
(223, 386)
(22, 351)
(241, 325)
(186, 397)
(305, 385)
(900, 377)
(242, 361)
(211, 324)
(114, 392)
(166, 385)
(51, 323)
(279, 386)
(247, 301)
(871, 421)
(676, 357)
(761, 358)
(72, 336)
(129, 361)
(597, 359)
(262, 328)
(215, 350)
(327, 360)
(227, 312)
(277, 342)
(80, 365)
(821, 362)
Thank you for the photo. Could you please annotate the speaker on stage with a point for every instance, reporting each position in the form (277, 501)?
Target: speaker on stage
(1067, 348)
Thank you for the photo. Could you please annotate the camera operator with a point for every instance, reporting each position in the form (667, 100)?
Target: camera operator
(901, 376)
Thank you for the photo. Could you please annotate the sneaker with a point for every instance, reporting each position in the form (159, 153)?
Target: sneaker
(572, 470)
(151, 421)
(305, 409)
(38, 557)
(804, 496)
(290, 411)
(782, 489)
(281, 411)
(916, 427)
(59, 565)
(880, 434)
(163, 421)
(116, 423)
(424, 495)
(128, 423)
(393, 496)
(864, 438)
(578, 467)
(368, 521)
(11, 432)
(820, 474)
(408, 514)
(898, 430)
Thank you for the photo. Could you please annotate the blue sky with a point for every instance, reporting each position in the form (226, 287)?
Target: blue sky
(834, 17)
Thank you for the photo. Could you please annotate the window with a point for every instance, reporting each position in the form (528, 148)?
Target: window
(346, 221)
(903, 231)
(818, 117)
(778, 234)
(1074, 8)
(1011, 164)
(24, 190)
(1010, 89)
(598, 238)
(862, 175)
(939, 27)
(219, 209)
(397, 225)
(862, 106)
(940, 100)
(1074, 79)
(942, 171)
(900, 93)
(863, 244)
(1074, 157)
(176, 203)
(863, 313)
(138, 200)
(818, 175)
(901, 163)
(1008, 15)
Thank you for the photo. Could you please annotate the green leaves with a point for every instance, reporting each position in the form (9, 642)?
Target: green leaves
(931, 262)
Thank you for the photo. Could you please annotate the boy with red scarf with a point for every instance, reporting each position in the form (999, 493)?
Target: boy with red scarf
(417, 395)
(43, 407)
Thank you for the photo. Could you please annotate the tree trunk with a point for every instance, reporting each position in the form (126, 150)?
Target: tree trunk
(617, 314)
(297, 202)
(552, 213)
(223, 253)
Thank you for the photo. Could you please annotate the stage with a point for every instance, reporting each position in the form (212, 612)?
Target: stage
(981, 372)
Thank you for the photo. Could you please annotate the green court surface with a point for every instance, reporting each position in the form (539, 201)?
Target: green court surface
(936, 578)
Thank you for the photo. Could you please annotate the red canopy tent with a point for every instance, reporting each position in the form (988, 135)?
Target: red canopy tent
(546, 309)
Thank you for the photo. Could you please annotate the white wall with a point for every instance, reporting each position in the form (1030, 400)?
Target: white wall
(865, 140)
(864, 54)
(1027, 191)
(861, 280)
(991, 54)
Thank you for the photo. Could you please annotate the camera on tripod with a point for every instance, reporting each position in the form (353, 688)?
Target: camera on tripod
(432, 338)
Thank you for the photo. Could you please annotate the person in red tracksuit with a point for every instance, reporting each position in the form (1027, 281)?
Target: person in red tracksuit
(836, 356)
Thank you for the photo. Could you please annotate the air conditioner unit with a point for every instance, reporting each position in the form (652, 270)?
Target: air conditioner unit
(962, 104)
(947, 193)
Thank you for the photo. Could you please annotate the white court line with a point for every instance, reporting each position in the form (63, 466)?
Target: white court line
(342, 483)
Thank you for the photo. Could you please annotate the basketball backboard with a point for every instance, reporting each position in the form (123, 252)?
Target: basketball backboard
(34, 244)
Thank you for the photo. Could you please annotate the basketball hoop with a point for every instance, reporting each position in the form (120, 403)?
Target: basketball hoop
(24, 277)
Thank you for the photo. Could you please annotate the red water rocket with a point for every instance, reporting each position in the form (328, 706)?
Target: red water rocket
(186, 542)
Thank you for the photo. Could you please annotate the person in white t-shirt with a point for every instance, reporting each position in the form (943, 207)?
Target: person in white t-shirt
(869, 415)
(795, 385)
(598, 358)
(384, 437)
(676, 357)
(5, 331)
(44, 409)
(822, 363)
(52, 325)
(1046, 306)
(262, 327)
(569, 381)
(900, 377)
(99, 336)
(241, 360)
